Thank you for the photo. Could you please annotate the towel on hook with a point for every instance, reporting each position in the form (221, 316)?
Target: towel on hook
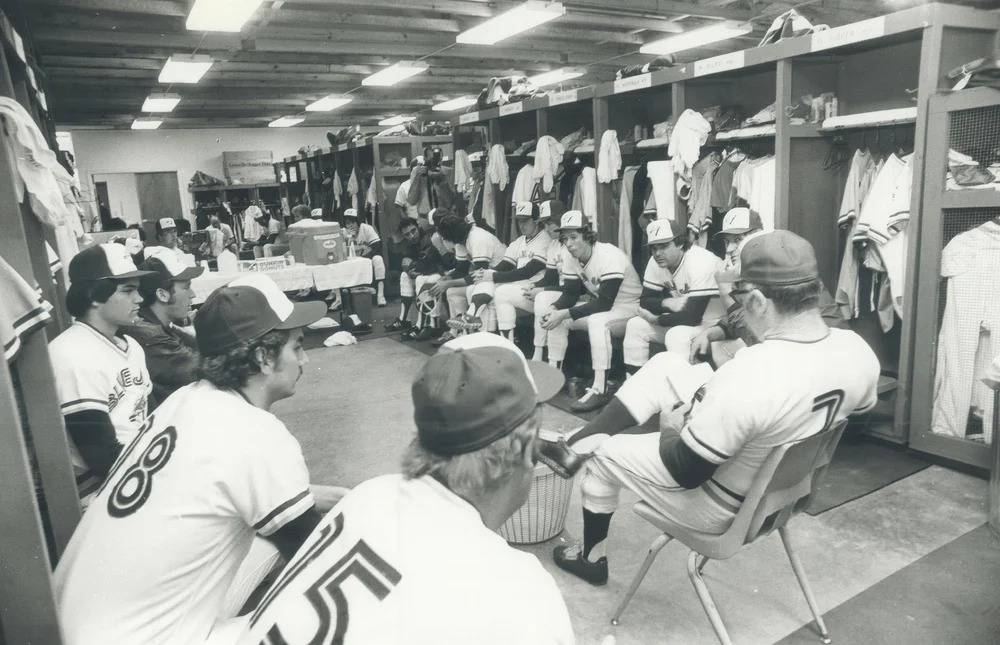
(353, 187)
(610, 161)
(548, 156)
(496, 167)
(689, 135)
(463, 171)
(338, 188)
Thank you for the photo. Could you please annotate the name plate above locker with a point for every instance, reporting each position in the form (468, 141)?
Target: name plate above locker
(471, 117)
(561, 98)
(633, 83)
(716, 64)
(511, 108)
(847, 34)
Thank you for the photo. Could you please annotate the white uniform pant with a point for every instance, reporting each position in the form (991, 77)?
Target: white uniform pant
(508, 300)
(639, 334)
(378, 267)
(460, 297)
(598, 328)
(407, 285)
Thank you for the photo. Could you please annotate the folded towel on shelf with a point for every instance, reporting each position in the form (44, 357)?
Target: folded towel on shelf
(610, 160)
(548, 156)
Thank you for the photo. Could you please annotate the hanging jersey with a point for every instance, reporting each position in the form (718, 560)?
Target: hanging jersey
(607, 262)
(22, 311)
(481, 246)
(409, 562)
(522, 250)
(856, 187)
(154, 555)
(774, 393)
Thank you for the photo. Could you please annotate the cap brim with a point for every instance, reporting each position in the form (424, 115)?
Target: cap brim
(129, 275)
(663, 241)
(303, 314)
(189, 273)
(549, 381)
(570, 228)
(733, 231)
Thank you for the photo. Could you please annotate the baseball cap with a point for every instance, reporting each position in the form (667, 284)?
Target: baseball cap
(526, 209)
(164, 267)
(316, 213)
(165, 224)
(778, 258)
(477, 389)
(573, 221)
(351, 212)
(551, 208)
(103, 262)
(246, 309)
(740, 220)
(661, 231)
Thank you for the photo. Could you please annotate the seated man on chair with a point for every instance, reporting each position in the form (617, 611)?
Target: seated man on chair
(802, 378)
(421, 262)
(367, 244)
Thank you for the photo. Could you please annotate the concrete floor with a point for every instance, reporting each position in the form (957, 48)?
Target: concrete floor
(353, 416)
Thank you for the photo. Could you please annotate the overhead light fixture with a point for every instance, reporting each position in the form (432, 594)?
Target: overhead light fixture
(221, 15)
(328, 103)
(396, 120)
(395, 73)
(696, 38)
(286, 122)
(161, 102)
(185, 68)
(521, 18)
(146, 123)
(556, 76)
(455, 104)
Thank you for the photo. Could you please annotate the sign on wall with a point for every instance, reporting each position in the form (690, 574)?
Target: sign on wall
(249, 167)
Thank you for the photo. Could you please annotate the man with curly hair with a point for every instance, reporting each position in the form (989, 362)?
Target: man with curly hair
(209, 496)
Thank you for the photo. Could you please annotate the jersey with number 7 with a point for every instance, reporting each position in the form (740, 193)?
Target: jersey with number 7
(773, 393)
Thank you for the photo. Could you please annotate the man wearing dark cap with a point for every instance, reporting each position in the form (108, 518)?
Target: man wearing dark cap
(427, 564)
(209, 495)
(171, 352)
(802, 378)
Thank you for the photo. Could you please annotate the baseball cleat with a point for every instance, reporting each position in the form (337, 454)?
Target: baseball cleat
(560, 457)
(590, 401)
(570, 558)
(465, 322)
(398, 325)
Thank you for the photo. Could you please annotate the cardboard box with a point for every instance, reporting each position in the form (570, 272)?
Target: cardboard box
(250, 167)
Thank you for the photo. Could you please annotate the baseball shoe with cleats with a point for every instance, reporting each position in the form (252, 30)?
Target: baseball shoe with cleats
(399, 325)
(466, 323)
(590, 401)
(560, 457)
(570, 559)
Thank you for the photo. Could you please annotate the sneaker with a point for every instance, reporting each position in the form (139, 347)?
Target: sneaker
(399, 325)
(444, 338)
(590, 401)
(465, 322)
(570, 558)
(560, 457)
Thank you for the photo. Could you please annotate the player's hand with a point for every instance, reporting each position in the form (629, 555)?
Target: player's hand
(407, 263)
(673, 305)
(437, 290)
(676, 419)
(701, 345)
(554, 318)
(485, 275)
(419, 171)
(648, 316)
(531, 292)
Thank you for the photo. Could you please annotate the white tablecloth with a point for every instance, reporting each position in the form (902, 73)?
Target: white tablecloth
(349, 273)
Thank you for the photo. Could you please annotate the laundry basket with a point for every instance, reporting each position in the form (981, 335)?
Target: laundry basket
(543, 515)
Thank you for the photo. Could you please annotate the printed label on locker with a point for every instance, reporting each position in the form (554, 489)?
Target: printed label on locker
(511, 108)
(717, 64)
(633, 83)
(19, 45)
(561, 98)
(471, 117)
(31, 79)
(852, 33)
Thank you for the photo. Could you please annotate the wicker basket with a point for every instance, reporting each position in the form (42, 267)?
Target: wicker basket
(543, 515)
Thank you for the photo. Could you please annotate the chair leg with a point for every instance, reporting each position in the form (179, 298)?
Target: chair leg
(694, 572)
(800, 573)
(654, 550)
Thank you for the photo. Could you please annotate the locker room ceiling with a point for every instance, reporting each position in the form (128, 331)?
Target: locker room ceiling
(102, 57)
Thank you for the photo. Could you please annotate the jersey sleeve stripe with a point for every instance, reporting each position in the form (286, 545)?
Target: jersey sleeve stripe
(274, 515)
(656, 286)
(617, 275)
(703, 449)
(79, 405)
(708, 291)
(715, 497)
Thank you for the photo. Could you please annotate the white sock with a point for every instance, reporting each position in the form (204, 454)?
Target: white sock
(508, 334)
(537, 356)
(599, 551)
(381, 290)
(402, 311)
(554, 363)
(599, 383)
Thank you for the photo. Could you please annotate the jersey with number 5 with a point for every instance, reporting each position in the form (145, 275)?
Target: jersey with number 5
(154, 555)
(773, 393)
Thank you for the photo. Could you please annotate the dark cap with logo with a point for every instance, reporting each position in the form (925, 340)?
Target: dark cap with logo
(103, 262)
(778, 258)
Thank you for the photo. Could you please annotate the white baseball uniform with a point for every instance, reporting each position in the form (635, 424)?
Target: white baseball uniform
(480, 246)
(694, 276)
(155, 558)
(94, 373)
(607, 262)
(773, 393)
(22, 311)
(508, 297)
(367, 235)
(409, 562)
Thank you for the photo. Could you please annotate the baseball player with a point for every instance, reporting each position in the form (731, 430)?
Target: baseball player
(800, 380)
(166, 235)
(414, 558)
(209, 495)
(367, 244)
(523, 261)
(612, 288)
(678, 293)
(475, 249)
(421, 259)
(100, 373)
(519, 296)
(171, 352)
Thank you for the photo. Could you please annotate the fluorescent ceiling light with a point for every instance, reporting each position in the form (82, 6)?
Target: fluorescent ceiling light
(146, 123)
(221, 15)
(556, 76)
(328, 103)
(185, 68)
(396, 120)
(521, 18)
(455, 104)
(696, 38)
(161, 102)
(395, 73)
(285, 122)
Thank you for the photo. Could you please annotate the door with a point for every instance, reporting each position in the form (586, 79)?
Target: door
(103, 203)
(159, 196)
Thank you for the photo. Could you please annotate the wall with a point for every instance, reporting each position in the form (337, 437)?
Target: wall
(122, 195)
(100, 152)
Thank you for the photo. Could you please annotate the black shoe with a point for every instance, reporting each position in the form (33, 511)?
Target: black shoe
(590, 401)
(444, 338)
(399, 325)
(427, 333)
(558, 456)
(570, 558)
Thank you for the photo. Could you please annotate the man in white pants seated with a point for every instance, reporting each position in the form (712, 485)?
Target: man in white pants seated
(523, 262)
(800, 380)
(208, 497)
(679, 295)
(605, 274)
(512, 298)
(367, 244)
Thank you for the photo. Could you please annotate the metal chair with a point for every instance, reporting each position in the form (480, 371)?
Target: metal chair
(781, 489)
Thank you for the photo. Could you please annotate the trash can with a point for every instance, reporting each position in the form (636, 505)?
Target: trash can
(543, 515)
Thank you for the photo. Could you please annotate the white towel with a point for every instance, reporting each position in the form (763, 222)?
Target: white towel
(524, 185)
(661, 176)
(610, 161)
(370, 198)
(548, 156)
(496, 167)
(588, 194)
(353, 188)
(463, 171)
(341, 338)
(338, 188)
(686, 140)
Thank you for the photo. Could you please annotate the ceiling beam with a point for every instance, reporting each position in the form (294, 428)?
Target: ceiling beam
(153, 7)
(338, 19)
